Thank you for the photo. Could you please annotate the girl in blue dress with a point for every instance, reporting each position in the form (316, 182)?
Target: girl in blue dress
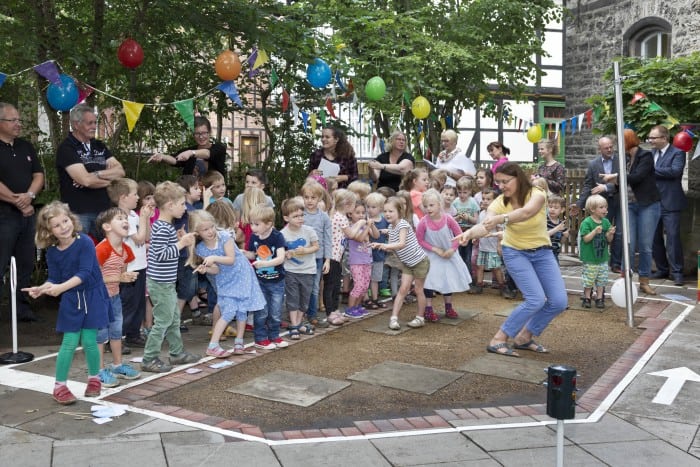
(238, 291)
(74, 275)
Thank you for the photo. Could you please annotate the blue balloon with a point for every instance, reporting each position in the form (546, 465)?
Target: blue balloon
(64, 96)
(318, 73)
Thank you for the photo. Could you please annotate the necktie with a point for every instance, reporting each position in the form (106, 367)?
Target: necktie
(657, 157)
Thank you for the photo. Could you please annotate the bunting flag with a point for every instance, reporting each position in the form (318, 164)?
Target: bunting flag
(84, 91)
(382, 145)
(274, 79)
(329, 106)
(251, 63)
(261, 59)
(49, 71)
(186, 109)
(295, 111)
(132, 111)
(229, 88)
(2, 79)
(341, 86)
(351, 89)
(285, 100)
(589, 118)
(313, 124)
(305, 120)
(322, 114)
(574, 124)
(443, 123)
(448, 121)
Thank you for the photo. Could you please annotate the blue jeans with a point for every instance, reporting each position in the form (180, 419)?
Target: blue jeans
(113, 332)
(267, 321)
(643, 222)
(312, 311)
(87, 219)
(668, 256)
(538, 277)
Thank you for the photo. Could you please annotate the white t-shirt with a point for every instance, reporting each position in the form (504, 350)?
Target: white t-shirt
(140, 252)
(458, 162)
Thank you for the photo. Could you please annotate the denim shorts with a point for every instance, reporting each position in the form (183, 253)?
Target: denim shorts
(114, 331)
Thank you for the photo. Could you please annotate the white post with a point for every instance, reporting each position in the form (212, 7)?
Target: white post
(560, 443)
(13, 300)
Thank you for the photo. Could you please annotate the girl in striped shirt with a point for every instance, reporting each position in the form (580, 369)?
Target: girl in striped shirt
(414, 261)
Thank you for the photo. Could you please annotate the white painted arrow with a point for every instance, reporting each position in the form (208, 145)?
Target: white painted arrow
(676, 378)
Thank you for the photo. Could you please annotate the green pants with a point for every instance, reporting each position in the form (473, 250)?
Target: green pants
(67, 350)
(166, 320)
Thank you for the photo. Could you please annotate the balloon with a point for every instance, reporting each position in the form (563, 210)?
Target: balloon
(130, 53)
(534, 134)
(318, 73)
(65, 96)
(617, 293)
(420, 107)
(683, 141)
(227, 65)
(375, 88)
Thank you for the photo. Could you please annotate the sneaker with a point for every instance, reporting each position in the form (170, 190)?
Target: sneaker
(417, 322)
(322, 323)
(476, 289)
(184, 328)
(124, 371)
(155, 366)
(410, 298)
(394, 324)
(184, 358)
(94, 388)
(248, 328)
(107, 379)
(600, 303)
(430, 315)
(280, 343)
(450, 313)
(63, 396)
(385, 293)
(586, 302)
(265, 345)
(385, 300)
(353, 312)
(508, 293)
(138, 342)
(217, 352)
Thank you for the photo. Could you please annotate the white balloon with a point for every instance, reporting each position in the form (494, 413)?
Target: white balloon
(617, 293)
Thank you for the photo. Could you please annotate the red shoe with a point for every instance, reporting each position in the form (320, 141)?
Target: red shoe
(450, 313)
(63, 396)
(249, 327)
(94, 387)
(430, 315)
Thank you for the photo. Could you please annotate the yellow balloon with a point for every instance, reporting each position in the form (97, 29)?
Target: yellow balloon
(420, 107)
(534, 134)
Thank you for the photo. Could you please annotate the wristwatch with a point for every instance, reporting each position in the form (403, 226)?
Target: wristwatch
(505, 219)
(194, 154)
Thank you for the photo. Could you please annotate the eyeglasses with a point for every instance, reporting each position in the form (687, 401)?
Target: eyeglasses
(503, 182)
(652, 138)
(11, 120)
(201, 134)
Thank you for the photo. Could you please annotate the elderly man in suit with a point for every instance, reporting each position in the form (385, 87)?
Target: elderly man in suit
(669, 163)
(604, 163)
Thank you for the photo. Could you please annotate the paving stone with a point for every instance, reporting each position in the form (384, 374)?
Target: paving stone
(463, 316)
(345, 454)
(429, 449)
(543, 457)
(679, 434)
(247, 453)
(191, 438)
(518, 369)
(32, 454)
(413, 378)
(109, 453)
(290, 388)
(382, 327)
(609, 429)
(649, 452)
(14, 436)
(516, 438)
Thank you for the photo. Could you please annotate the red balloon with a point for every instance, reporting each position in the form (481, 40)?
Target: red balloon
(683, 141)
(228, 65)
(130, 53)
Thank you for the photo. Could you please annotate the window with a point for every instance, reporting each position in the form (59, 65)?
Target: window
(649, 38)
(250, 148)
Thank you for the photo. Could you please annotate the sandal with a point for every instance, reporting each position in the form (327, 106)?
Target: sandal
(335, 319)
(508, 352)
(371, 305)
(218, 352)
(532, 346)
(306, 329)
(294, 333)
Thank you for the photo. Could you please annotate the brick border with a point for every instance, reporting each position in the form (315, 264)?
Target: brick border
(137, 395)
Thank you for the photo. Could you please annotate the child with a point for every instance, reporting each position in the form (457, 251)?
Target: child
(266, 249)
(72, 268)
(414, 261)
(113, 255)
(361, 189)
(124, 193)
(214, 188)
(375, 206)
(238, 291)
(359, 259)
(556, 227)
(483, 180)
(253, 197)
(145, 192)
(438, 179)
(344, 201)
(416, 182)
(253, 178)
(447, 274)
(161, 275)
(313, 193)
(541, 183)
(489, 257)
(467, 216)
(449, 194)
(300, 266)
(596, 233)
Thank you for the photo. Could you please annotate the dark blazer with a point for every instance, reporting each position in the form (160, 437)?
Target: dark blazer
(595, 168)
(640, 177)
(669, 172)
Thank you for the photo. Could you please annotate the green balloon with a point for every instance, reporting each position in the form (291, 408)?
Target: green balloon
(375, 88)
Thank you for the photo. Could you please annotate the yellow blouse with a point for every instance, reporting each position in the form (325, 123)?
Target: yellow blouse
(531, 233)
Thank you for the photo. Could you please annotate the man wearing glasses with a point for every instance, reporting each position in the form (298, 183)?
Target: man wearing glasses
(669, 163)
(21, 179)
(199, 159)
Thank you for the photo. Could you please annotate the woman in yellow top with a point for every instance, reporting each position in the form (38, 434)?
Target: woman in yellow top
(527, 253)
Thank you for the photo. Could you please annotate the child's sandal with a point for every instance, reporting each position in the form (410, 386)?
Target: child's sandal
(371, 305)
(294, 333)
(306, 329)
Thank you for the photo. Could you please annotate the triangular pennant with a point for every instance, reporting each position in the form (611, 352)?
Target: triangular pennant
(443, 123)
(186, 109)
(285, 100)
(229, 88)
(251, 62)
(329, 106)
(132, 111)
(407, 97)
(84, 91)
(49, 71)
(351, 88)
(563, 128)
(574, 125)
(339, 81)
(295, 110)
(274, 79)
(261, 59)
(2, 79)
(305, 120)
(313, 124)
(581, 118)
(589, 118)
(322, 115)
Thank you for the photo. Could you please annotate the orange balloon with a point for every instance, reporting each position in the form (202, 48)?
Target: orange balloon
(228, 65)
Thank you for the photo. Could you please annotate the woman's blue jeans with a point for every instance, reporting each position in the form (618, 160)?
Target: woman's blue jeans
(643, 222)
(537, 275)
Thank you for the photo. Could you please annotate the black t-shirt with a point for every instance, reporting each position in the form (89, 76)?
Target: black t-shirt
(391, 180)
(82, 200)
(18, 164)
(217, 160)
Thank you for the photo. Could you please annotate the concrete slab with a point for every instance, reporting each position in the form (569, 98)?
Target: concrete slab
(678, 434)
(191, 438)
(15, 436)
(159, 426)
(420, 450)
(346, 454)
(506, 309)
(518, 369)
(514, 438)
(290, 388)
(695, 446)
(476, 463)
(463, 316)
(609, 429)
(26, 454)
(19, 406)
(491, 421)
(383, 328)
(246, 453)
(651, 452)
(544, 457)
(412, 378)
(110, 453)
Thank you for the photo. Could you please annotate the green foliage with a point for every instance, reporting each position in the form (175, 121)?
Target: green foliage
(670, 86)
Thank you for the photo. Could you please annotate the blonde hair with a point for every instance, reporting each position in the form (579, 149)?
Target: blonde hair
(431, 194)
(361, 189)
(262, 213)
(44, 238)
(375, 199)
(224, 214)
(312, 188)
(167, 192)
(212, 177)
(407, 205)
(551, 145)
(121, 187)
(389, 146)
(541, 183)
(595, 201)
(342, 197)
(195, 220)
(252, 197)
(466, 184)
(399, 203)
(292, 205)
(438, 178)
